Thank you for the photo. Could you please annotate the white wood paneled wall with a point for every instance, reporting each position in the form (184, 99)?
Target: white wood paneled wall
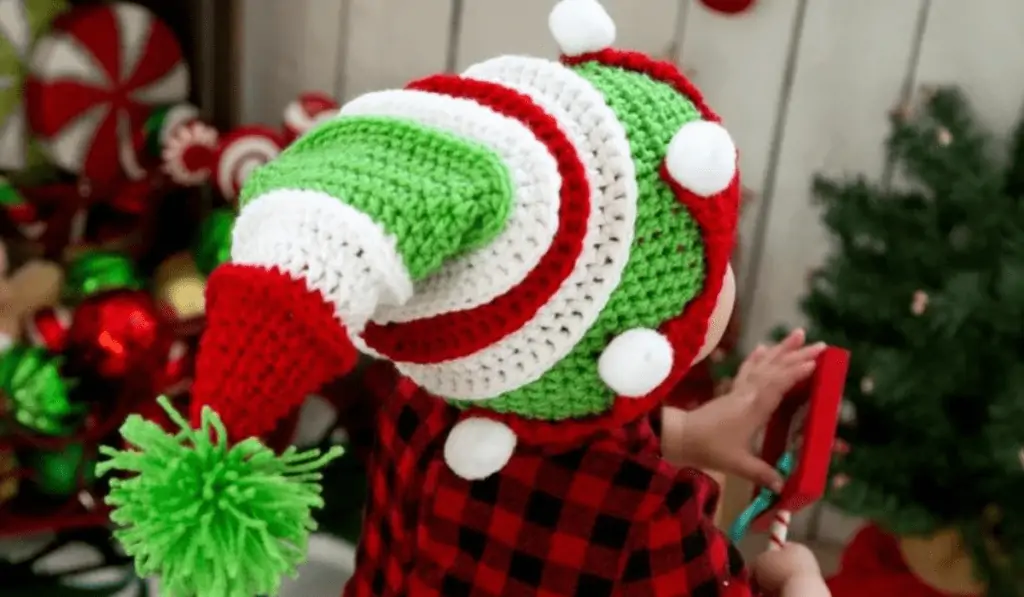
(803, 86)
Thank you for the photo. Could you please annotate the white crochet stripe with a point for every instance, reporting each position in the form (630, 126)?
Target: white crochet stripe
(480, 276)
(334, 248)
(524, 356)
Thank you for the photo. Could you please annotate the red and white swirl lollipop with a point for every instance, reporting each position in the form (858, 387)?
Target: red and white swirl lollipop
(95, 79)
(307, 111)
(189, 146)
(242, 151)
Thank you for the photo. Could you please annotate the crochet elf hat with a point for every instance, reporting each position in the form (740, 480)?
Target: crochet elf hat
(542, 244)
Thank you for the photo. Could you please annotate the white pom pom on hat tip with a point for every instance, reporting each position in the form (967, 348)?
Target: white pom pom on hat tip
(636, 362)
(581, 27)
(478, 447)
(702, 158)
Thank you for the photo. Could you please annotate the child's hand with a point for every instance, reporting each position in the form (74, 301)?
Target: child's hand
(718, 435)
(791, 571)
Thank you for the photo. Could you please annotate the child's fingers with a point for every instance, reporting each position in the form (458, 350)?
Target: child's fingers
(754, 469)
(756, 356)
(751, 361)
(792, 342)
(791, 376)
(806, 353)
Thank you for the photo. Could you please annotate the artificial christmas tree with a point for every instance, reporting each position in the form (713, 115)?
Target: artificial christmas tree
(925, 286)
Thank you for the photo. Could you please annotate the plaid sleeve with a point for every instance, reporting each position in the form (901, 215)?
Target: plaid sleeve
(679, 552)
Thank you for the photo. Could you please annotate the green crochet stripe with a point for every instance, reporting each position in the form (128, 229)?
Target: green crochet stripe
(438, 194)
(665, 269)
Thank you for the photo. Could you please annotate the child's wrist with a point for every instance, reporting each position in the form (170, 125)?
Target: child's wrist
(675, 440)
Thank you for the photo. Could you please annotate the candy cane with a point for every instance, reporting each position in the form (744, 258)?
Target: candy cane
(779, 529)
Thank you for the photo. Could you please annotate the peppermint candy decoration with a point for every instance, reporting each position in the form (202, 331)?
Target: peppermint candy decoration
(189, 147)
(22, 22)
(93, 82)
(307, 111)
(241, 152)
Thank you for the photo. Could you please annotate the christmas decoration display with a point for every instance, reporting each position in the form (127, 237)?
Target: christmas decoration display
(188, 146)
(97, 350)
(61, 473)
(178, 284)
(419, 226)
(115, 333)
(9, 480)
(93, 82)
(22, 22)
(98, 271)
(111, 319)
(36, 393)
(925, 287)
(213, 244)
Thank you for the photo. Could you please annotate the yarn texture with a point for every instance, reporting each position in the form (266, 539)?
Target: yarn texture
(540, 251)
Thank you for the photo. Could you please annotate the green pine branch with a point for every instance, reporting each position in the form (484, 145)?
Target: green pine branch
(925, 286)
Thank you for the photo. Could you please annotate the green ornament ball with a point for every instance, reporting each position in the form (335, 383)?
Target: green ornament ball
(213, 245)
(37, 394)
(95, 272)
(57, 474)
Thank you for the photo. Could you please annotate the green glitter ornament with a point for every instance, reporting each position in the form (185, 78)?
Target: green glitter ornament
(38, 394)
(94, 272)
(211, 518)
(213, 245)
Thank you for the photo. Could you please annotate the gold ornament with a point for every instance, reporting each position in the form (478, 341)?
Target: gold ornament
(944, 137)
(178, 284)
(941, 561)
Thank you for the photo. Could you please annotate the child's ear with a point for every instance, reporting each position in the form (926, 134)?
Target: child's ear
(719, 320)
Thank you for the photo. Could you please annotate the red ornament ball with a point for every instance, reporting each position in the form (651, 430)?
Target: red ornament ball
(729, 7)
(115, 333)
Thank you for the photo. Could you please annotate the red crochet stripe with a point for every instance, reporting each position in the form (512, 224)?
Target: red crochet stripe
(457, 334)
(269, 343)
(717, 217)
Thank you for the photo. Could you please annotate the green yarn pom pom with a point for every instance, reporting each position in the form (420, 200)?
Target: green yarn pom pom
(209, 518)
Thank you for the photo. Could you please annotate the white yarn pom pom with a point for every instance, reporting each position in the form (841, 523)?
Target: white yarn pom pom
(477, 448)
(581, 26)
(702, 158)
(636, 362)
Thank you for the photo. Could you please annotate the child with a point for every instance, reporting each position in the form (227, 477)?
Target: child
(542, 250)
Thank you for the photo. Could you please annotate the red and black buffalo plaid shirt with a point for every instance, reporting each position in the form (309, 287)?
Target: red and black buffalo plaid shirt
(607, 519)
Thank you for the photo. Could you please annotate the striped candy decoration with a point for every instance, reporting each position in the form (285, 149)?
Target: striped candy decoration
(240, 152)
(21, 24)
(307, 111)
(94, 81)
